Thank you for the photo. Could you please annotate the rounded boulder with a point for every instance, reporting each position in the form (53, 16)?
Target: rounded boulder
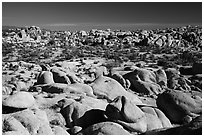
(19, 100)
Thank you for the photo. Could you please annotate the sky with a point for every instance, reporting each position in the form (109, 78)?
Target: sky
(101, 15)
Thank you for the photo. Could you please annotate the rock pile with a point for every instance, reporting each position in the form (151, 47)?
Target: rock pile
(126, 101)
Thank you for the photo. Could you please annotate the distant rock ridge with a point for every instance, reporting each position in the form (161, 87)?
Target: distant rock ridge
(66, 44)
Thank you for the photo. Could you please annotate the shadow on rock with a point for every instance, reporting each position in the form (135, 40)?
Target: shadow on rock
(7, 110)
(91, 117)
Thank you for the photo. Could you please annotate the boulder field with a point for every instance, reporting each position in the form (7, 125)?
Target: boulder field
(131, 100)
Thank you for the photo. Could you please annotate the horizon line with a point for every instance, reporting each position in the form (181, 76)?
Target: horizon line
(60, 26)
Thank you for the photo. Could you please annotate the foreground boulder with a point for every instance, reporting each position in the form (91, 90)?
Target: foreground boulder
(19, 100)
(192, 128)
(177, 81)
(60, 76)
(135, 119)
(172, 76)
(124, 82)
(104, 128)
(93, 102)
(45, 77)
(57, 130)
(77, 88)
(77, 114)
(179, 106)
(146, 87)
(23, 86)
(196, 82)
(145, 81)
(101, 70)
(108, 88)
(28, 122)
(12, 126)
(161, 77)
(8, 89)
(145, 75)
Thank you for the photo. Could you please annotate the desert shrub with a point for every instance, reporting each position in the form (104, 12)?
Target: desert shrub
(7, 48)
(133, 56)
(112, 64)
(190, 57)
(166, 63)
(51, 42)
